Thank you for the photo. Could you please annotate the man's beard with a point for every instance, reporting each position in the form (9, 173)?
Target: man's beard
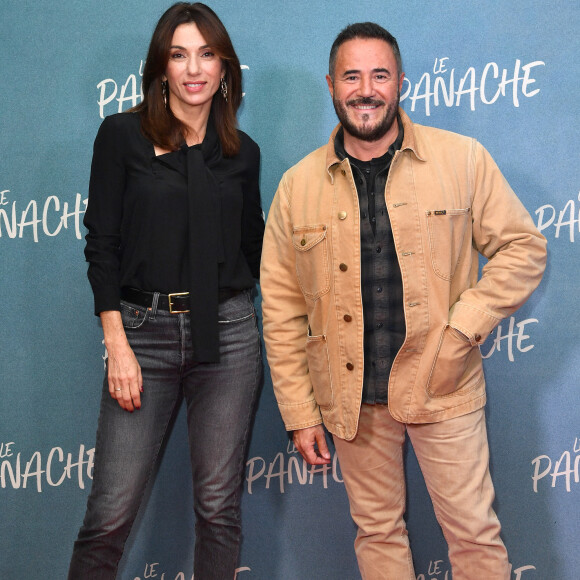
(365, 132)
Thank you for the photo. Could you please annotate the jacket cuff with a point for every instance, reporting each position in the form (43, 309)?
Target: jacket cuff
(301, 415)
(474, 323)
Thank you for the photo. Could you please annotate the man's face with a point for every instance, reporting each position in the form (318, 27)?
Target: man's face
(366, 88)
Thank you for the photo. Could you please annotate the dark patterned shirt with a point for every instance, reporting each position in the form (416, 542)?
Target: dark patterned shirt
(382, 286)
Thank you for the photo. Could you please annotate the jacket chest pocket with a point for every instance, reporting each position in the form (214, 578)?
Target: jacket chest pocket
(311, 250)
(446, 229)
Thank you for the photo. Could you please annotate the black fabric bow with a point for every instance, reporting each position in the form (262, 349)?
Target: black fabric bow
(205, 243)
(206, 249)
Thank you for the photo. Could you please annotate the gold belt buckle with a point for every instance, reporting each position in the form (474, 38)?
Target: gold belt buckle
(170, 296)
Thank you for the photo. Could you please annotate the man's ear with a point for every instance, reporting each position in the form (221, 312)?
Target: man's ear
(330, 85)
(401, 78)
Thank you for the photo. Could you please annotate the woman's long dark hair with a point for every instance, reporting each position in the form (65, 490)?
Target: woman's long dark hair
(157, 121)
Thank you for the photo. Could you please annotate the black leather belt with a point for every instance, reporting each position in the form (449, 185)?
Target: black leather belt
(176, 302)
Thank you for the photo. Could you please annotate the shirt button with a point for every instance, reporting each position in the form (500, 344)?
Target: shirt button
(349, 366)
(379, 249)
(379, 325)
(372, 193)
(341, 215)
(373, 220)
(364, 215)
(347, 318)
(343, 267)
(379, 289)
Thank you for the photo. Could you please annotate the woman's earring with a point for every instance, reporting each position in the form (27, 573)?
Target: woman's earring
(164, 92)
(224, 88)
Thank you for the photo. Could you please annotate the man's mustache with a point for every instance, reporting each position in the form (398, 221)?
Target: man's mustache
(365, 101)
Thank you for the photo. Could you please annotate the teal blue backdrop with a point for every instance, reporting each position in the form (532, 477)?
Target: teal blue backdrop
(503, 72)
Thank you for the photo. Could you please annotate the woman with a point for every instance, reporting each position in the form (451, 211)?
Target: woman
(175, 235)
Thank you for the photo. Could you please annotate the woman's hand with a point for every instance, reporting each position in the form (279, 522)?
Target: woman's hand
(124, 376)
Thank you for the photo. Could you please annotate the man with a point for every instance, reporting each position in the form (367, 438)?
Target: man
(373, 311)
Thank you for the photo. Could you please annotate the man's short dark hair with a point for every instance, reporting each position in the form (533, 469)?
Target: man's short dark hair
(368, 30)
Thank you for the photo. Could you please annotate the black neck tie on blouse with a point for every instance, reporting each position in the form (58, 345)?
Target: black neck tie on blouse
(206, 249)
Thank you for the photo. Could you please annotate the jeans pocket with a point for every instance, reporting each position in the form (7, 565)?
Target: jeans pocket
(236, 320)
(237, 309)
(133, 316)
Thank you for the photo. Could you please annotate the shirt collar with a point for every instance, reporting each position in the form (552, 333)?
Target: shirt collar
(395, 145)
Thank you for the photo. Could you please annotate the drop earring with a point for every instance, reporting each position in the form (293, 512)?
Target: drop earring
(224, 88)
(164, 92)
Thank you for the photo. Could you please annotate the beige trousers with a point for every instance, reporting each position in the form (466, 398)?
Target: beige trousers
(454, 458)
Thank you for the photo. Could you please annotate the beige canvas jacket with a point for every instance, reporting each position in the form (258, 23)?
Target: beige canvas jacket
(447, 202)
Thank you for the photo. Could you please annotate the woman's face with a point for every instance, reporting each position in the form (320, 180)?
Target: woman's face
(193, 72)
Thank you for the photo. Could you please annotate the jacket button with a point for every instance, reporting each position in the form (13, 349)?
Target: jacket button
(343, 267)
(349, 366)
(302, 242)
(343, 171)
(341, 215)
(477, 337)
(347, 318)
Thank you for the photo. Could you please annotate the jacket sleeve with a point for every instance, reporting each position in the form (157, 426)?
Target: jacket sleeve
(505, 234)
(285, 318)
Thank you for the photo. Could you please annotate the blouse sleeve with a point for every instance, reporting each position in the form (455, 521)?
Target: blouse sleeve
(104, 216)
(252, 214)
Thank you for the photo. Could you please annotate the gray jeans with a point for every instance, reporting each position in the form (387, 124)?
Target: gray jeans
(220, 401)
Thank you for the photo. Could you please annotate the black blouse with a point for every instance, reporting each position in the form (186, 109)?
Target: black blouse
(138, 221)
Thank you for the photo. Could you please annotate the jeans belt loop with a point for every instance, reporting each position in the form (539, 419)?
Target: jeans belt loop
(153, 310)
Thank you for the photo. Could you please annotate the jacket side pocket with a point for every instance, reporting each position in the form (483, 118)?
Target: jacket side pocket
(455, 362)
